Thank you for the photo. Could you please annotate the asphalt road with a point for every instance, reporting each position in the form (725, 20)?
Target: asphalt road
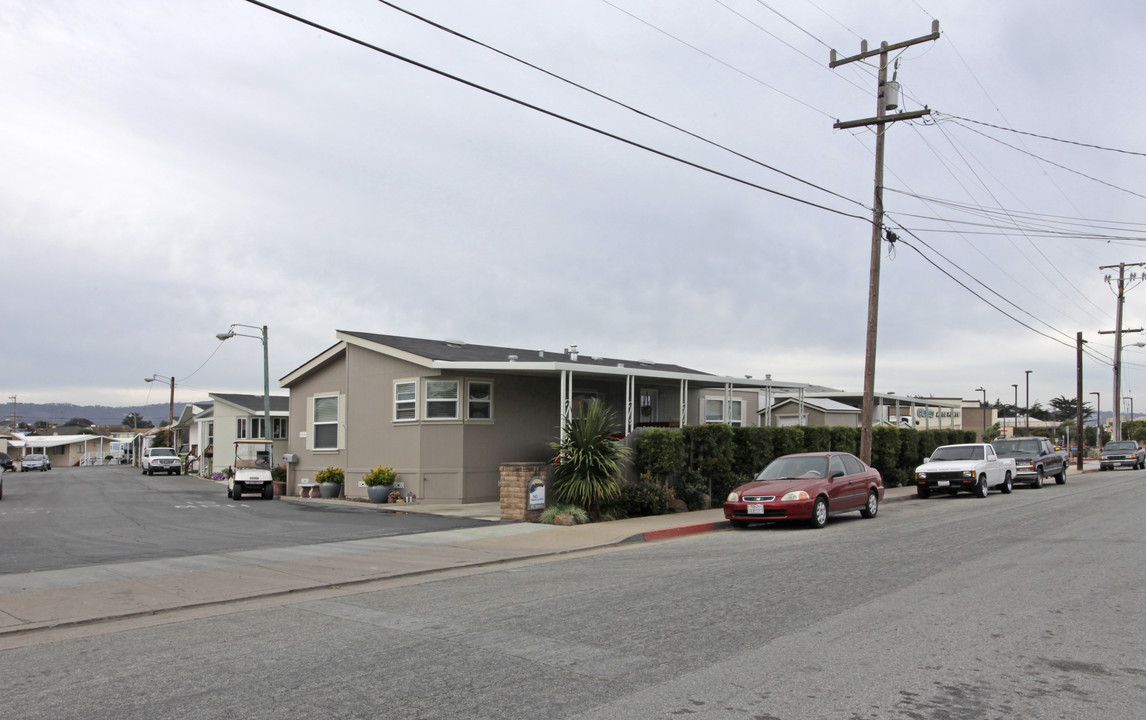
(74, 517)
(1026, 605)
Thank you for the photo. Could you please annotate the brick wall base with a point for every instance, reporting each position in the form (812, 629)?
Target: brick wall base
(514, 482)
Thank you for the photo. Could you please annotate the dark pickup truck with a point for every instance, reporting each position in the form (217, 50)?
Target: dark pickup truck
(1035, 459)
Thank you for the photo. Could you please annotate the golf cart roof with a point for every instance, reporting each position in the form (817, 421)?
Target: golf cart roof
(252, 442)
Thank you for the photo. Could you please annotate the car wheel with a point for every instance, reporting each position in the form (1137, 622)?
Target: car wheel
(236, 494)
(1038, 483)
(872, 507)
(150, 472)
(738, 523)
(923, 491)
(1008, 485)
(268, 492)
(981, 489)
(229, 492)
(819, 514)
(177, 471)
(1060, 479)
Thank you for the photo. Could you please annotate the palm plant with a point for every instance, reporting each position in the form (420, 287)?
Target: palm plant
(588, 462)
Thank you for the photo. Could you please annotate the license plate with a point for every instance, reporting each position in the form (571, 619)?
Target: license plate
(756, 508)
(943, 483)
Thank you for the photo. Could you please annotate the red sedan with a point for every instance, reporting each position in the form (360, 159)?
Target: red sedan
(809, 486)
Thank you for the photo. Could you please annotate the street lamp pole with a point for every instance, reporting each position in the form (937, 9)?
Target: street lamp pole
(1027, 410)
(984, 391)
(267, 435)
(1015, 422)
(170, 407)
(1098, 420)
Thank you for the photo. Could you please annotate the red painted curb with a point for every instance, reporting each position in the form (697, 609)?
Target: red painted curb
(678, 531)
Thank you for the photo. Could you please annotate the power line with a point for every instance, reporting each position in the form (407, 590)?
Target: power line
(619, 103)
(1042, 137)
(543, 111)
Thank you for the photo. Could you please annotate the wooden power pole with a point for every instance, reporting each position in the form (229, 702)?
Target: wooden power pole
(884, 101)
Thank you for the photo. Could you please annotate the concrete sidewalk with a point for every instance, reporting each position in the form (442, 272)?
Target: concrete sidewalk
(57, 598)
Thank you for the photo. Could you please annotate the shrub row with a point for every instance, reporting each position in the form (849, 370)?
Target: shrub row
(720, 457)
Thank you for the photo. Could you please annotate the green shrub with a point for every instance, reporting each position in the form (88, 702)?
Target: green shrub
(661, 454)
(587, 472)
(380, 476)
(278, 473)
(817, 439)
(641, 498)
(692, 489)
(330, 475)
(551, 512)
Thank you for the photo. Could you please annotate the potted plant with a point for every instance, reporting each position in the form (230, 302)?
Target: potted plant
(330, 481)
(278, 479)
(379, 483)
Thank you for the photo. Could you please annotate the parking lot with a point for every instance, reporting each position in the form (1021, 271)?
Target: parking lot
(74, 517)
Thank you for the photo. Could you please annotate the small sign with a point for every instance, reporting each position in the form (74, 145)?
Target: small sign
(361, 483)
(537, 493)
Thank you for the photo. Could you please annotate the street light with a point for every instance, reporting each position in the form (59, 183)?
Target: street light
(1015, 429)
(984, 391)
(1098, 420)
(266, 373)
(171, 406)
(1027, 410)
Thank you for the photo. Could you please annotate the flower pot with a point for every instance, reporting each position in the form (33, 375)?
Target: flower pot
(279, 487)
(329, 490)
(378, 493)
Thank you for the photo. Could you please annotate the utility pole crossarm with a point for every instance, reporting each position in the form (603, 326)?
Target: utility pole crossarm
(914, 114)
(834, 63)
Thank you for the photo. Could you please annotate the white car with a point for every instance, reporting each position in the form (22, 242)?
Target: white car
(973, 467)
(161, 459)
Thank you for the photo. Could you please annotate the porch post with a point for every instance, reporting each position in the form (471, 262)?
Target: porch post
(630, 389)
(727, 419)
(800, 418)
(564, 410)
(683, 403)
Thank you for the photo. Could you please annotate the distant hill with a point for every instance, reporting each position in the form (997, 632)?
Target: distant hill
(98, 414)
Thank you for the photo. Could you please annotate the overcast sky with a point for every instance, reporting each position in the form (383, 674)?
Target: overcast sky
(172, 167)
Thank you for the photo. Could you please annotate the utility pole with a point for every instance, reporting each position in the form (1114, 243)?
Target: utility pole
(1117, 332)
(15, 420)
(1028, 408)
(885, 101)
(1079, 342)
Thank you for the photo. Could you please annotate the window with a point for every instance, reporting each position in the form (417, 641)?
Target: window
(479, 401)
(279, 428)
(836, 466)
(241, 428)
(441, 399)
(714, 411)
(406, 400)
(325, 423)
(210, 433)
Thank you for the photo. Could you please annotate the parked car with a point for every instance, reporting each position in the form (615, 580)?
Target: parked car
(1122, 453)
(6, 461)
(35, 462)
(160, 459)
(2, 471)
(809, 487)
(1035, 459)
(974, 467)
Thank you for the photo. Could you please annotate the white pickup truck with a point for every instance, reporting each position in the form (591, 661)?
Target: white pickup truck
(974, 467)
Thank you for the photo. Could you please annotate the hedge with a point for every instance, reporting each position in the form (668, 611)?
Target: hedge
(725, 457)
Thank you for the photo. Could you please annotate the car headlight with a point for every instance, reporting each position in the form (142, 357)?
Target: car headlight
(733, 497)
(921, 476)
(794, 496)
(968, 473)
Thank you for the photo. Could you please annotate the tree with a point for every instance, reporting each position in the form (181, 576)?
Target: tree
(161, 439)
(1064, 409)
(79, 422)
(992, 433)
(588, 462)
(42, 425)
(135, 420)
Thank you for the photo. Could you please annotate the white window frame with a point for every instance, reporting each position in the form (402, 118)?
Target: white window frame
(732, 422)
(435, 402)
(470, 400)
(411, 402)
(314, 423)
(241, 428)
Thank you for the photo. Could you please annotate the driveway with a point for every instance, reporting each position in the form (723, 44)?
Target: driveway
(75, 517)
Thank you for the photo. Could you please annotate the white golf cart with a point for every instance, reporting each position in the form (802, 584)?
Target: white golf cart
(252, 470)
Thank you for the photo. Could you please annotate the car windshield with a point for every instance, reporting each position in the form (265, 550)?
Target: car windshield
(34, 457)
(795, 467)
(166, 452)
(958, 452)
(1122, 446)
(1016, 447)
(248, 455)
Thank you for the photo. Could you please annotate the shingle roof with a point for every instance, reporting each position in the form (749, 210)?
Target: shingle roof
(254, 403)
(457, 351)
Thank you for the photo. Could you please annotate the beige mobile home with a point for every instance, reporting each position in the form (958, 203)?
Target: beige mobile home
(446, 414)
